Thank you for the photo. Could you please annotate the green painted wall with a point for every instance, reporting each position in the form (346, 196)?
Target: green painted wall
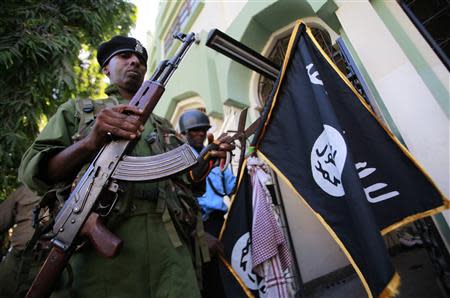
(325, 10)
(253, 27)
(214, 77)
(194, 76)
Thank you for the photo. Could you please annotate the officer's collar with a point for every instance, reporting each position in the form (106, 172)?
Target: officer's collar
(112, 89)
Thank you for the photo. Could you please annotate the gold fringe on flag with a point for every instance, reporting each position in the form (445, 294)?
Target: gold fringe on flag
(392, 288)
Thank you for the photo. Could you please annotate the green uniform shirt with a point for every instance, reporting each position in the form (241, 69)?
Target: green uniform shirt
(16, 211)
(149, 265)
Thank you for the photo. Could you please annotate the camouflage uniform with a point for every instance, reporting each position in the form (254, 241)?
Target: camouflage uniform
(155, 260)
(16, 213)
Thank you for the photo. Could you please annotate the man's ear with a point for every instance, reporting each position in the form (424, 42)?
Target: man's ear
(105, 69)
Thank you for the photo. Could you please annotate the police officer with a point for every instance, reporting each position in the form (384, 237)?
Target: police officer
(155, 260)
(194, 125)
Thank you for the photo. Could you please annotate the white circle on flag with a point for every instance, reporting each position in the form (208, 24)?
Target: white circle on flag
(241, 261)
(327, 161)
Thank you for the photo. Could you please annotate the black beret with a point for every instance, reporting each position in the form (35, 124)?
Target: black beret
(119, 44)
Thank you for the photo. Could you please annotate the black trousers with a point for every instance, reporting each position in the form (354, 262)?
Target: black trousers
(212, 280)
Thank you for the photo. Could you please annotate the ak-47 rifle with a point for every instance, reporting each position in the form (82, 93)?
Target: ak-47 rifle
(81, 214)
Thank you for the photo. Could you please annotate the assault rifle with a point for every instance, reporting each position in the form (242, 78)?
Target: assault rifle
(81, 214)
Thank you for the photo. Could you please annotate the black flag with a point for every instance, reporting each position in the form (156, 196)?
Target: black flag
(325, 142)
(237, 276)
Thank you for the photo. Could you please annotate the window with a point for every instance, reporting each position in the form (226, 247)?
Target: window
(265, 85)
(278, 52)
(187, 7)
(432, 19)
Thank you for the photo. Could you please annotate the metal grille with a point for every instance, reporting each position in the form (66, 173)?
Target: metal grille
(265, 85)
(432, 19)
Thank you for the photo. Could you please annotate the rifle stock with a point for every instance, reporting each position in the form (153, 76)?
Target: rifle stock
(78, 217)
(105, 243)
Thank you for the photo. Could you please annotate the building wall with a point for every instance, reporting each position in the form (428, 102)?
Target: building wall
(408, 81)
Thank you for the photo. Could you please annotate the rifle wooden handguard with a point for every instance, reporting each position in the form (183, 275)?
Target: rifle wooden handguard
(51, 270)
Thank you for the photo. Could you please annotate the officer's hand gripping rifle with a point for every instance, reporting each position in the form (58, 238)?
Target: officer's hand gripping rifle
(79, 215)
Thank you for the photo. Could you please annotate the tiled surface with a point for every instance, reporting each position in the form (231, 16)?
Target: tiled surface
(417, 279)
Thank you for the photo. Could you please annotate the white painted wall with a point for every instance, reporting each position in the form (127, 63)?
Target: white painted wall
(316, 251)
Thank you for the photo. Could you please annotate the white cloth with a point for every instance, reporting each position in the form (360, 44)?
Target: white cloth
(271, 257)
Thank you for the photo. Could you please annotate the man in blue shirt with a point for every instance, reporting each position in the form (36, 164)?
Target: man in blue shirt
(220, 182)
